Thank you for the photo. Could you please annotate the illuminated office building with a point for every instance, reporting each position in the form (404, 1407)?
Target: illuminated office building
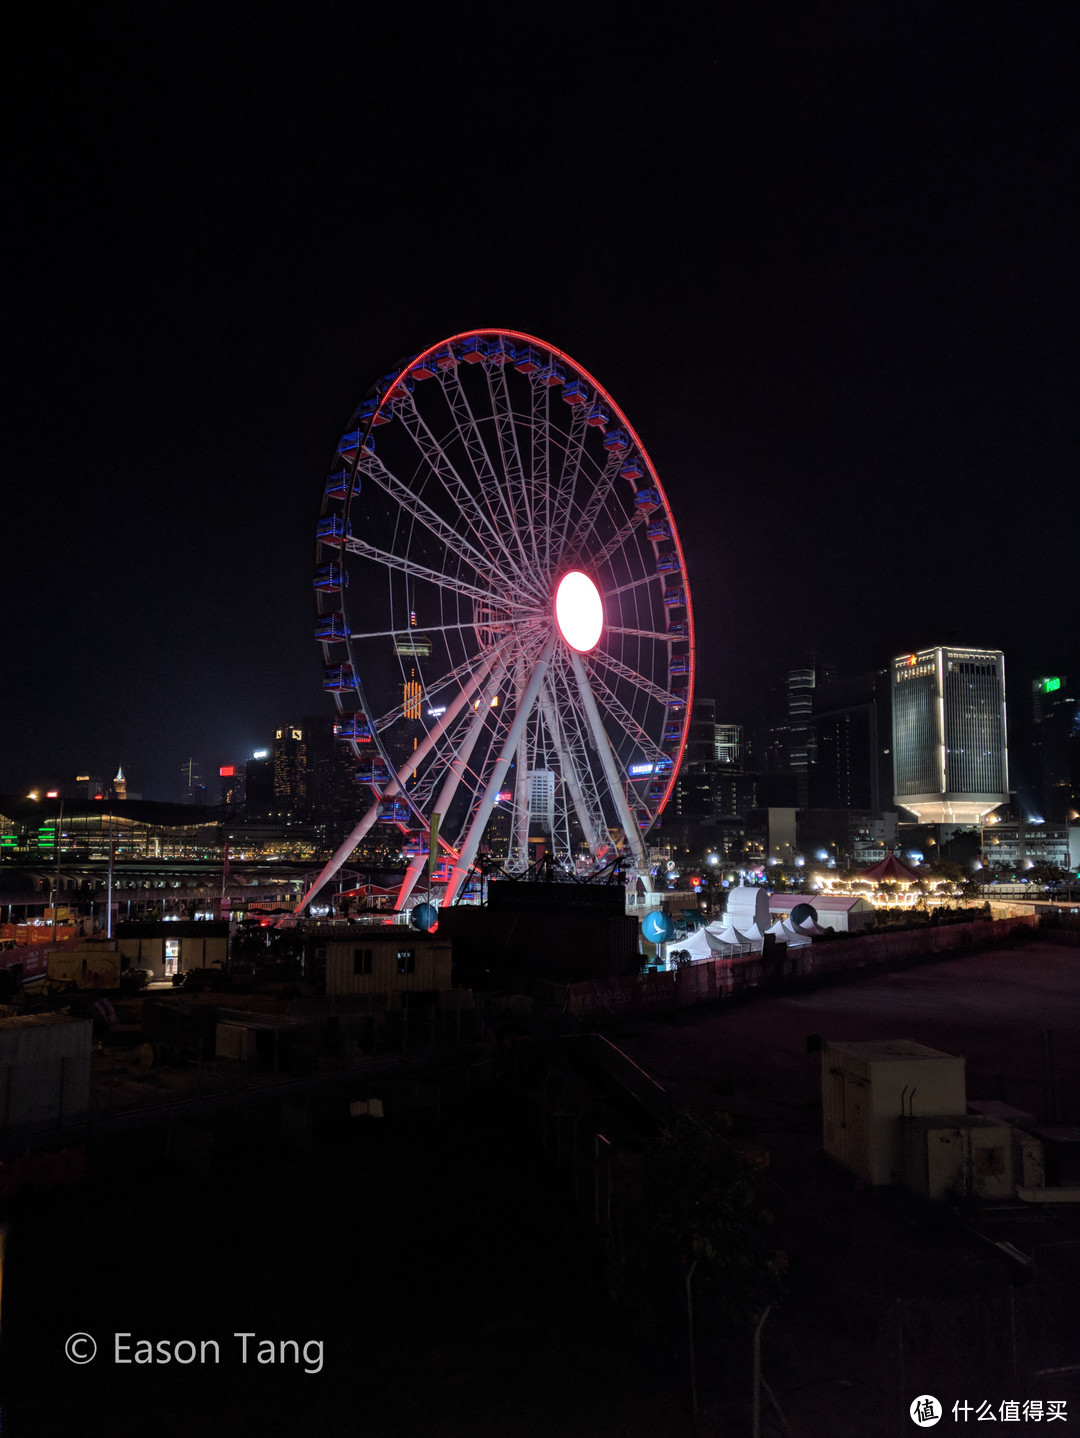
(950, 761)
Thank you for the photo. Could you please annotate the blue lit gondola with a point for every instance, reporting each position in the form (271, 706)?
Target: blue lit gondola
(372, 772)
(331, 626)
(332, 529)
(353, 726)
(394, 811)
(663, 766)
(599, 416)
(400, 388)
(553, 374)
(446, 359)
(330, 577)
(672, 733)
(677, 699)
(647, 499)
(667, 563)
(658, 529)
(500, 350)
(680, 664)
(674, 597)
(528, 360)
(337, 484)
(678, 629)
(633, 469)
(471, 350)
(616, 440)
(425, 368)
(338, 678)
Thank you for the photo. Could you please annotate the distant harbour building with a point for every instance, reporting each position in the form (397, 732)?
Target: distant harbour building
(950, 759)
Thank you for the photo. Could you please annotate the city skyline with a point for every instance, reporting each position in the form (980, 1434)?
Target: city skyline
(824, 265)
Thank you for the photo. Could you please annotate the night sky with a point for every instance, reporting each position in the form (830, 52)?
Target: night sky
(823, 255)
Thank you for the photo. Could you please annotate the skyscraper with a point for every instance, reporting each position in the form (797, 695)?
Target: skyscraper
(1056, 712)
(290, 768)
(950, 762)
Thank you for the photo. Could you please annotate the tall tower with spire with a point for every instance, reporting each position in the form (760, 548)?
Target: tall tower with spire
(119, 784)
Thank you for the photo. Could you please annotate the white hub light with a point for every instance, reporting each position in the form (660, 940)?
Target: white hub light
(579, 611)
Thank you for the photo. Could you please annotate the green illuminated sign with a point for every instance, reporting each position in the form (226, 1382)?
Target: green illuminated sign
(1049, 685)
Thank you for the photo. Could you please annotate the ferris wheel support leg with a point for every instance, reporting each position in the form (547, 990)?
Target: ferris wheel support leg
(412, 873)
(573, 779)
(513, 738)
(519, 851)
(611, 772)
(341, 854)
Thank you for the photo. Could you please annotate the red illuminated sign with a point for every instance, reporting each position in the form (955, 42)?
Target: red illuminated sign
(227, 771)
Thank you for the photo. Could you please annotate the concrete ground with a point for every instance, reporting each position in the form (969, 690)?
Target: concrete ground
(890, 1298)
(994, 1009)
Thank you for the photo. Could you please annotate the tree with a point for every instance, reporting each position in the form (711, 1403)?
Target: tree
(699, 1204)
(1046, 875)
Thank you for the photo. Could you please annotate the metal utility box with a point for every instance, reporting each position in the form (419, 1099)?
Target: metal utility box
(962, 1154)
(268, 1041)
(1029, 1167)
(44, 1068)
(867, 1087)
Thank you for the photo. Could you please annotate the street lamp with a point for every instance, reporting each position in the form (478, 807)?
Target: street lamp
(56, 879)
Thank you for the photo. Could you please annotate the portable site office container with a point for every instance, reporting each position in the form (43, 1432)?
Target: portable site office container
(389, 960)
(44, 1067)
(867, 1087)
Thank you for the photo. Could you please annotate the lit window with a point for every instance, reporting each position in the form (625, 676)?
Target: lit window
(406, 961)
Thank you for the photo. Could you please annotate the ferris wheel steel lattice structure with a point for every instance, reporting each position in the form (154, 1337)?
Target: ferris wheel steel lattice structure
(505, 616)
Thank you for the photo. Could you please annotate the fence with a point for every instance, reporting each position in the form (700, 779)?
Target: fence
(708, 979)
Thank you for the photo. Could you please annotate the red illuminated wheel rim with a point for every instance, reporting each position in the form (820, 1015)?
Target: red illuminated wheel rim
(504, 613)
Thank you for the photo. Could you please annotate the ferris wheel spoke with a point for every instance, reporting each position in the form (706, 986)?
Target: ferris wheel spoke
(623, 671)
(469, 671)
(389, 560)
(628, 586)
(654, 634)
(632, 833)
(562, 502)
(617, 710)
(400, 633)
(487, 481)
(411, 503)
(476, 517)
(540, 437)
(594, 507)
(510, 448)
(617, 541)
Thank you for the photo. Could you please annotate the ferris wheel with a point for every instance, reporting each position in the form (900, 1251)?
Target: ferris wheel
(505, 616)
